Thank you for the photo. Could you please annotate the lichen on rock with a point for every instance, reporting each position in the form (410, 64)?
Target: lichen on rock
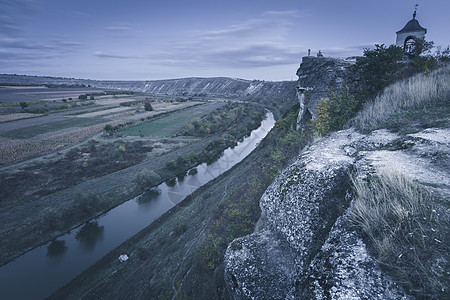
(305, 246)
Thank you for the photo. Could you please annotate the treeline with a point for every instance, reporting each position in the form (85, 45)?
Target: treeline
(229, 123)
(229, 117)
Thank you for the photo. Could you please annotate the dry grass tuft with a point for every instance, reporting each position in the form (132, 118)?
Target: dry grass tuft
(408, 230)
(414, 93)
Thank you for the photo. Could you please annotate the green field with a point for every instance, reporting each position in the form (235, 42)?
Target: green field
(169, 125)
(27, 132)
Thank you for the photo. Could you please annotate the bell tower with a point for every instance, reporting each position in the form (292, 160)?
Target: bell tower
(410, 33)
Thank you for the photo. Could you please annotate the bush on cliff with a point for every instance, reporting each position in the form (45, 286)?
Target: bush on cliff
(382, 66)
(334, 114)
(378, 69)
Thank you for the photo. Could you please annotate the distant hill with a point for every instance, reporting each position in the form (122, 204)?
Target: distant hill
(280, 93)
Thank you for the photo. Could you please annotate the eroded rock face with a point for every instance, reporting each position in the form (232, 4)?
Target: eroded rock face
(344, 269)
(305, 246)
(319, 76)
(299, 208)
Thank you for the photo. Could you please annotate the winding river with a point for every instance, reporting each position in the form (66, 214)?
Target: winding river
(41, 271)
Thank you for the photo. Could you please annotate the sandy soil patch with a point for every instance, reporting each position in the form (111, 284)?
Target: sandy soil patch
(105, 112)
(17, 116)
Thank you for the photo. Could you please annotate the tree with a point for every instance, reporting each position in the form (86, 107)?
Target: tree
(109, 129)
(343, 106)
(171, 165)
(333, 114)
(321, 124)
(23, 105)
(148, 106)
(379, 68)
(421, 47)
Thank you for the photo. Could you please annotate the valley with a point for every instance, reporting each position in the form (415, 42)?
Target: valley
(64, 166)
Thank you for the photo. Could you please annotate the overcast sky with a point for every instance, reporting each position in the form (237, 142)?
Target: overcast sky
(158, 39)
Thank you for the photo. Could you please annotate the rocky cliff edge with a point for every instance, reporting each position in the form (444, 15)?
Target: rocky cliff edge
(305, 245)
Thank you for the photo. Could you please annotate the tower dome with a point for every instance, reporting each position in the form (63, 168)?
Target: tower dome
(408, 34)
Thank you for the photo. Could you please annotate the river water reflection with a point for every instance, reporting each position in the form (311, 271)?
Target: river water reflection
(41, 271)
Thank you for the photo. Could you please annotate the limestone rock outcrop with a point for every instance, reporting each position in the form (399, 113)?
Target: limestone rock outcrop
(305, 246)
(318, 76)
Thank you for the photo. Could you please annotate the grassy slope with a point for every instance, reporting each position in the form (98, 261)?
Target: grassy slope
(406, 225)
(401, 103)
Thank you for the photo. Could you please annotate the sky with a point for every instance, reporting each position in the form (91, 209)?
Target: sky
(162, 39)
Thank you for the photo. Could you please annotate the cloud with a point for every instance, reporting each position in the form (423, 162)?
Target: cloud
(354, 50)
(72, 44)
(258, 42)
(24, 44)
(13, 43)
(118, 28)
(81, 14)
(112, 55)
(12, 13)
(272, 25)
(261, 55)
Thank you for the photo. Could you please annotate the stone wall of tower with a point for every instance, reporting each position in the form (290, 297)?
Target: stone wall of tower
(401, 37)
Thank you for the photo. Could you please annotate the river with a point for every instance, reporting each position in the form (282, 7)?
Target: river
(41, 271)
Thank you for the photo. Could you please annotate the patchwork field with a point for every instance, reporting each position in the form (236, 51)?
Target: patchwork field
(11, 94)
(27, 132)
(35, 120)
(171, 124)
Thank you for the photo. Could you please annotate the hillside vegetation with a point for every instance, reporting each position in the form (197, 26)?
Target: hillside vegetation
(405, 101)
(405, 220)
(363, 212)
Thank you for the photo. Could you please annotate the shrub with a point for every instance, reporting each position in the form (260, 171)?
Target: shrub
(85, 205)
(378, 68)
(181, 161)
(142, 253)
(334, 114)
(82, 97)
(321, 124)
(193, 171)
(193, 157)
(148, 106)
(146, 178)
(171, 165)
(109, 129)
(343, 107)
(171, 182)
(23, 105)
